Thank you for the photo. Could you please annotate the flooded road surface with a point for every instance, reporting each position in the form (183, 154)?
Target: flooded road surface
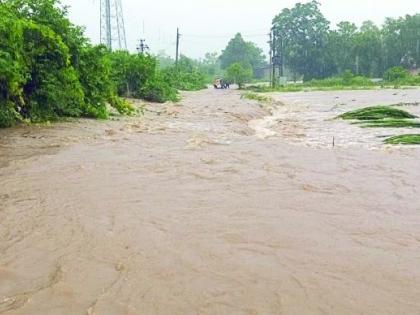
(188, 211)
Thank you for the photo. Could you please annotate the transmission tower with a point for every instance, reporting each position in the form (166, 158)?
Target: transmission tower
(112, 25)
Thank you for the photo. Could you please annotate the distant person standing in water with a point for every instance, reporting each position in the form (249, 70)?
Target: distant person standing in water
(225, 84)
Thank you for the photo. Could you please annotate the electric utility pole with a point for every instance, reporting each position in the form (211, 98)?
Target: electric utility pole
(178, 35)
(274, 58)
(271, 58)
(277, 58)
(142, 48)
(281, 59)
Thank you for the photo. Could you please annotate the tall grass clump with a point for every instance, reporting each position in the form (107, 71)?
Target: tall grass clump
(376, 113)
(413, 139)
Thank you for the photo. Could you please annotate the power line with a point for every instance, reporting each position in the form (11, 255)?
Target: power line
(222, 36)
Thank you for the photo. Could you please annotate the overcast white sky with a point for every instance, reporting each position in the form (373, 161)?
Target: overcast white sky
(207, 25)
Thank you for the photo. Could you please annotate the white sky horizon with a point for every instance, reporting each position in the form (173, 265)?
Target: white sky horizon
(207, 25)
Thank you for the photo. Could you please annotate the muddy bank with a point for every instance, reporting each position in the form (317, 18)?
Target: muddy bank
(187, 211)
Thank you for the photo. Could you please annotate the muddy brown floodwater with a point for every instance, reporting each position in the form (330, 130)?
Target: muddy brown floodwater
(209, 207)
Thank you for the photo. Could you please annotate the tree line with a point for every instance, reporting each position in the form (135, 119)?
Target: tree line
(306, 46)
(310, 48)
(49, 69)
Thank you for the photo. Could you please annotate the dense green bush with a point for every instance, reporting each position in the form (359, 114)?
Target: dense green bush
(131, 71)
(138, 75)
(346, 79)
(48, 68)
(401, 76)
(395, 74)
(186, 76)
(94, 71)
(413, 80)
(12, 70)
(158, 89)
(186, 81)
(8, 115)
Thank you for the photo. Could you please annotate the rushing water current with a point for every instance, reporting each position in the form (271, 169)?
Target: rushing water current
(212, 206)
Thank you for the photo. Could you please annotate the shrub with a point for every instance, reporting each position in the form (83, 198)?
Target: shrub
(121, 105)
(138, 75)
(186, 81)
(396, 74)
(347, 79)
(186, 76)
(8, 115)
(156, 89)
(238, 74)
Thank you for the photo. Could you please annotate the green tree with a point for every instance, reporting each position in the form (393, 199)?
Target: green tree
(13, 72)
(246, 53)
(49, 85)
(52, 14)
(393, 46)
(301, 36)
(210, 65)
(401, 40)
(368, 50)
(238, 74)
(410, 34)
(340, 45)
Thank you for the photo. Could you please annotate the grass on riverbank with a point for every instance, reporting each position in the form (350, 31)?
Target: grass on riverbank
(391, 123)
(386, 117)
(376, 113)
(256, 97)
(303, 88)
(413, 139)
(347, 81)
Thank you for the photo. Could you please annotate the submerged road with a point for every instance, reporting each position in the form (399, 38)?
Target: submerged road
(196, 209)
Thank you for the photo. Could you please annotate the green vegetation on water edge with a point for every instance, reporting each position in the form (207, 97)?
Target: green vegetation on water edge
(376, 113)
(385, 117)
(413, 139)
(297, 87)
(256, 97)
(394, 78)
(391, 123)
